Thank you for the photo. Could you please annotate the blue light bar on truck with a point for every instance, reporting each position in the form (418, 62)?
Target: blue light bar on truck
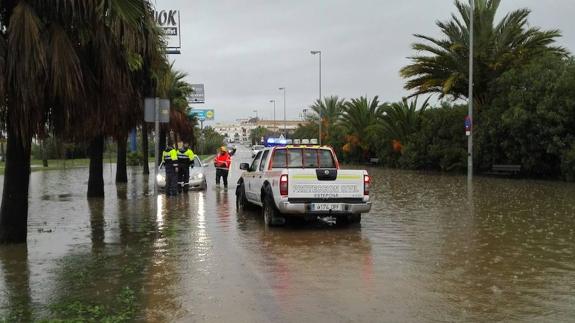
(273, 142)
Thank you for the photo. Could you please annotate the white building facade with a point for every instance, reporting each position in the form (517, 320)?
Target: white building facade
(240, 130)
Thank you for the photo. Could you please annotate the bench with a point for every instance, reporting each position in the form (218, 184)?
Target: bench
(374, 161)
(503, 169)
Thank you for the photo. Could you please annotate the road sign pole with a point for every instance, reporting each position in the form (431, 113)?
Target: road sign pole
(470, 97)
(202, 137)
(157, 143)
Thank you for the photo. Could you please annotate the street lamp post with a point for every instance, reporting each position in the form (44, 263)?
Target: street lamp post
(470, 97)
(274, 102)
(256, 112)
(285, 118)
(314, 52)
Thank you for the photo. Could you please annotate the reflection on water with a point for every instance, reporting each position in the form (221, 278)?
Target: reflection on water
(432, 249)
(15, 296)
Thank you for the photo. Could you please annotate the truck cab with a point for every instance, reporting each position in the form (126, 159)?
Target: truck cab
(303, 181)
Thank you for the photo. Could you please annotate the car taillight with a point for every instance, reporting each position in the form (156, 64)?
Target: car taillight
(366, 184)
(284, 185)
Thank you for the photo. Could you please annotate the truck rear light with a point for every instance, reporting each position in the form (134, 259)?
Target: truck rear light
(366, 184)
(284, 185)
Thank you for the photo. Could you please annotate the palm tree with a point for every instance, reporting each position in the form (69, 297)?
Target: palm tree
(171, 84)
(62, 63)
(331, 108)
(443, 69)
(397, 122)
(359, 114)
(38, 66)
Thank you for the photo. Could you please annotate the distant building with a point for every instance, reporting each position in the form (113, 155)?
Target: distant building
(240, 130)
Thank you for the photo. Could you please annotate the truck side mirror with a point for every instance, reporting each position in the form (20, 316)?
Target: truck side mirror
(244, 166)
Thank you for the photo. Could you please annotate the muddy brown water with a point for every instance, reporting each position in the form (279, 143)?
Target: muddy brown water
(430, 250)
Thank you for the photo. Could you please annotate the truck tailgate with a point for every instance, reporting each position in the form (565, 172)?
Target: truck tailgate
(325, 184)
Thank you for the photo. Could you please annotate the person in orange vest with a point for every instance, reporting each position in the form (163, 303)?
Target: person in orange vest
(222, 162)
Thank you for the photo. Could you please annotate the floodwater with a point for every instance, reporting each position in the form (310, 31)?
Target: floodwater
(432, 249)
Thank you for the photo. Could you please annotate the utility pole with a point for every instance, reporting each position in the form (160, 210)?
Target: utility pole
(470, 97)
(157, 143)
(274, 102)
(313, 52)
(285, 118)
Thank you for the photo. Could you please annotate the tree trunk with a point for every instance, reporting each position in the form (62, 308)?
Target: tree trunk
(96, 177)
(145, 159)
(121, 167)
(2, 151)
(43, 150)
(14, 209)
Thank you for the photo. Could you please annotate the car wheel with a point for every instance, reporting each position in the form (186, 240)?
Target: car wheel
(271, 214)
(241, 201)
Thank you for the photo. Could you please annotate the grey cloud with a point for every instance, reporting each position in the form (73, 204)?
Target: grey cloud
(244, 50)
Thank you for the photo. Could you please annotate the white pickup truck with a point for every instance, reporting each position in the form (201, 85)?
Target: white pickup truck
(302, 181)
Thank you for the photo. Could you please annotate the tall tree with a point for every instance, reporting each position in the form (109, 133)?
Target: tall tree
(397, 122)
(38, 69)
(171, 84)
(359, 114)
(443, 66)
(62, 63)
(331, 109)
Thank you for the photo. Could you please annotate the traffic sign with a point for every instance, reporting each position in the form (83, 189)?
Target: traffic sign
(197, 95)
(468, 125)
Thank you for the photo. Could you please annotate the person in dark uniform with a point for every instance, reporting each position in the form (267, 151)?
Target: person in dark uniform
(170, 156)
(184, 170)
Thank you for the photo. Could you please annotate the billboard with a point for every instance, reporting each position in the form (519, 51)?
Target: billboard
(202, 114)
(169, 22)
(197, 95)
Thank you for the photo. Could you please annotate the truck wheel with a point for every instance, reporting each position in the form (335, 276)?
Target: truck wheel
(241, 201)
(354, 218)
(271, 214)
(349, 219)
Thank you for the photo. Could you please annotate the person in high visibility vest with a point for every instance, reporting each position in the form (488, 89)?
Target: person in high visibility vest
(170, 156)
(222, 162)
(185, 160)
(190, 153)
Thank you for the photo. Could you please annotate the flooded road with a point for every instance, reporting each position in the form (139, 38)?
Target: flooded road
(430, 250)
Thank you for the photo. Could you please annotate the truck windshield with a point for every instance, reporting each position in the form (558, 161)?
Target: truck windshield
(303, 158)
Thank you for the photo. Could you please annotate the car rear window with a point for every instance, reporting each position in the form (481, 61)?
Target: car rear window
(279, 160)
(325, 159)
(303, 158)
(310, 158)
(294, 158)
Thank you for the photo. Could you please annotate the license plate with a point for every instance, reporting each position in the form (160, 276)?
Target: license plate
(326, 207)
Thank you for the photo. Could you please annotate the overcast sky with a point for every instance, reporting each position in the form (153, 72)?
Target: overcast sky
(244, 50)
